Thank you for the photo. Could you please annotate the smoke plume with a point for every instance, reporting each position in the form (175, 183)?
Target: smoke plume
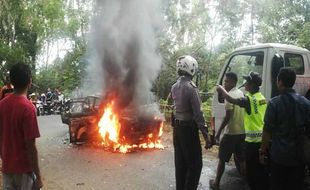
(124, 60)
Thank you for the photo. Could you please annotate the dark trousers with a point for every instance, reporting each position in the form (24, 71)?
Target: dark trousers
(256, 174)
(287, 177)
(187, 157)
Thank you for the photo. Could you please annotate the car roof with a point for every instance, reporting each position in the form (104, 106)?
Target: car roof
(272, 45)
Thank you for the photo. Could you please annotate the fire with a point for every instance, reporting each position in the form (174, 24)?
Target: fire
(109, 125)
(110, 128)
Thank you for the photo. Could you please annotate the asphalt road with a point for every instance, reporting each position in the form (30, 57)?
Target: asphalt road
(70, 167)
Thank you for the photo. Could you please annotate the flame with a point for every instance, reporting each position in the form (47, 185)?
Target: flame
(110, 127)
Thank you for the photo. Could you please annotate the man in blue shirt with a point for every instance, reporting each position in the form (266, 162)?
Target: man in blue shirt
(287, 115)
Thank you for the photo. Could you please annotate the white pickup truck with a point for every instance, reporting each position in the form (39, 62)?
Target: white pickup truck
(265, 59)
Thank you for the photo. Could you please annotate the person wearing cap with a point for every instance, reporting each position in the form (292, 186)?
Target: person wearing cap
(188, 119)
(255, 105)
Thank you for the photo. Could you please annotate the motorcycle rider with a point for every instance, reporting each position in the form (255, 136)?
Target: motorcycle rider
(56, 104)
(43, 104)
(33, 98)
(49, 95)
(43, 98)
(49, 99)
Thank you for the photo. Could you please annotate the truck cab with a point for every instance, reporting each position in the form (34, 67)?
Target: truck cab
(265, 59)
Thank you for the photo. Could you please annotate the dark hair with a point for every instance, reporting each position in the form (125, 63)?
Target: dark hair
(287, 76)
(20, 75)
(233, 76)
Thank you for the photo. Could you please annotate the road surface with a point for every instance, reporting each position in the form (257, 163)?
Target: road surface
(71, 167)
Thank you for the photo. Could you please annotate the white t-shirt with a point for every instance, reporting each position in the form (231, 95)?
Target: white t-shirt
(235, 124)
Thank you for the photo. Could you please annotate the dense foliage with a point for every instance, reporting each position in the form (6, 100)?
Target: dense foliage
(38, 31)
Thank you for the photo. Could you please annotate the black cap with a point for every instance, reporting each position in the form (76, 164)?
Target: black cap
(253, 78)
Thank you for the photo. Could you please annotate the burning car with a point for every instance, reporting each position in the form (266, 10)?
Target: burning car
(79, 107)
(92, 120)
(79, 114)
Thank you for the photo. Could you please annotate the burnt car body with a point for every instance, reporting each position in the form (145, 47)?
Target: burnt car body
(79, 107)
(136, 128)
(81, 114)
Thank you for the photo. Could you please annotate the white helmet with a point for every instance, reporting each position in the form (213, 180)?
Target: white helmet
(188, 64)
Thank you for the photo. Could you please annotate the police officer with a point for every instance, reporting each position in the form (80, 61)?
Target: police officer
(255, 105)
(188, 118)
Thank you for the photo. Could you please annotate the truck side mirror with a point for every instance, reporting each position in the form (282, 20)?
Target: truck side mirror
(276, 64)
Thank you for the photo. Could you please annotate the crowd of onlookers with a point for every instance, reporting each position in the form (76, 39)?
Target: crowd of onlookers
(46, 103)
(56, 95)
(49, 102)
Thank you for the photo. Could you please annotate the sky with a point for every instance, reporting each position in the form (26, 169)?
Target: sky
(49, 53)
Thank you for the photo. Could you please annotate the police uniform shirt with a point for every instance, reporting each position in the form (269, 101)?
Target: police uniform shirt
(253, 122)
(187, 103)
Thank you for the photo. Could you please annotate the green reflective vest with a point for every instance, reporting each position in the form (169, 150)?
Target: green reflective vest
(254, 122)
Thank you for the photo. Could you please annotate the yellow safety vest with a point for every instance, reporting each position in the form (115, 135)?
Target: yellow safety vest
(254, 122)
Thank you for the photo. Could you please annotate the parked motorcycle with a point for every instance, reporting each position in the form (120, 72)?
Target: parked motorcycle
(39, 106)
(47, 108)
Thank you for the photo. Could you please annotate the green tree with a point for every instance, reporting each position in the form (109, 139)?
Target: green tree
(186, 27)
(67, 72)
(24, 26)
(285, 21)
